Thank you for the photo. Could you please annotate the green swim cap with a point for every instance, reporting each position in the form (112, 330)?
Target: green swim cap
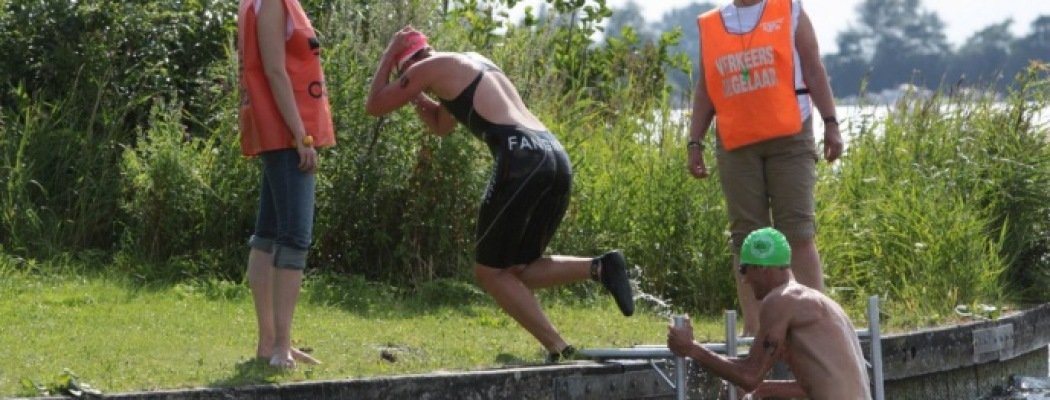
(766, 247)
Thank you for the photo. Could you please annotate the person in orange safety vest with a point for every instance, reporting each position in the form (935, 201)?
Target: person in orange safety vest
(760, 76)
(284, 118)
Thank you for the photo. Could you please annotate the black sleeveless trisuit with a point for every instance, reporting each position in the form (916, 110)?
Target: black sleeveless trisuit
(529, 190)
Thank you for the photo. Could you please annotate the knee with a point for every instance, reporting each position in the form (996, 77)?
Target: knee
(484, 273)
(801, 243)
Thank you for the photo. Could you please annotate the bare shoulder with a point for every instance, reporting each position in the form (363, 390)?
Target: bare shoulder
(443, 63)
(478, 56)
(433, 68)
(796, 302)
(445, 73)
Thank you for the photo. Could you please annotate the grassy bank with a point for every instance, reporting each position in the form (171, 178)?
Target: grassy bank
(118, 335)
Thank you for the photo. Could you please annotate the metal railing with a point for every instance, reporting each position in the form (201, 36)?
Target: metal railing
(680, 382)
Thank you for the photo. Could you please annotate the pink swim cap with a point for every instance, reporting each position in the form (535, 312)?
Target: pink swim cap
(416, 42)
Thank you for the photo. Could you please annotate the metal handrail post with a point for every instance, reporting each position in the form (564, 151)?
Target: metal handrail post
(876, 347)
(680, 378)
(731, 344)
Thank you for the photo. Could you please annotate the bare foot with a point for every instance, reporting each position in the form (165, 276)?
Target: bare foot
(288, 360)
(299, 355)
(282, 359)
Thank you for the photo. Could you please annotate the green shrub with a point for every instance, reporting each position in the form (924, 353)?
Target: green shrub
(185, 196)
(77, 79)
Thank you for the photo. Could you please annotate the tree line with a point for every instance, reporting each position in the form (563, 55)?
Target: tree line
(889, 43)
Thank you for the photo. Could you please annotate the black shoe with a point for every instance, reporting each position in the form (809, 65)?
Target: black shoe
(568, 353)
(614, 278)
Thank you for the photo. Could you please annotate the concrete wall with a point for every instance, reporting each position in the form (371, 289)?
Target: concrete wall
(967, 383)
(966, 361)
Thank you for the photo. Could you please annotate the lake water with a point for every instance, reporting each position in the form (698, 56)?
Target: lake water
(1024, 388)
(853, 118)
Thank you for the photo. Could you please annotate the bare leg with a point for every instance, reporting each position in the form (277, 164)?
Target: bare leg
(264, 280)
(518, 301)
(286, 295)
(512, 288)
(746, 297)
(260, 280)
(805, 263)
(551, 271)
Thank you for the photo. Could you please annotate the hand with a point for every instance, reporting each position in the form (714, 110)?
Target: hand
(307, 157)
(398, 42)
(756, 394)
(421, 102)
(697, 167)
(832, 142)
(680, 339)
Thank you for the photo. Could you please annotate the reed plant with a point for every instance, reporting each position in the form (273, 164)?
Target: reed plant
(942, 203)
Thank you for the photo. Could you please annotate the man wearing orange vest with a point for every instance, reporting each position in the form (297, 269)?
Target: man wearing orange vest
(759, 67)
(284, 115)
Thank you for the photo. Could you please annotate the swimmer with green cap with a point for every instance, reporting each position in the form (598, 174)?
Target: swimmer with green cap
(766, 248)
(798, 325)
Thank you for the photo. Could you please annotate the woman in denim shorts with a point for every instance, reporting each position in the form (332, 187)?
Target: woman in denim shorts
(284, 114)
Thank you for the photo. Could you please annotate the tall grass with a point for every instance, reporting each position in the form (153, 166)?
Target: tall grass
(942, 203)
(59, 179)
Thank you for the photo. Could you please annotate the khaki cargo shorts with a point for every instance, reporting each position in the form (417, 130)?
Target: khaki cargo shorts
(771, 184)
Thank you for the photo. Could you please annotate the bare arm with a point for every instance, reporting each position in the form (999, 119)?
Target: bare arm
(747, 373)
(271, 30)
(374, 105)
(386, 96)
(700, 122)
(433, 115)
(816, 78)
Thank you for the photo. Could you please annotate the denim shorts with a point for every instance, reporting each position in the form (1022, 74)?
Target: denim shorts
(285, 222)
(771, 183)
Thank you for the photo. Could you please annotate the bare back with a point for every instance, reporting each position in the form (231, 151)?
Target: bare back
(823, 350)
(496, 99)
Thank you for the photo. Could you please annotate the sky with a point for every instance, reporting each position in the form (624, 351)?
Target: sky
(962, 18)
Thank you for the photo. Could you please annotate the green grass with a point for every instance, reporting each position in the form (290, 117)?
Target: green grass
(121, 337)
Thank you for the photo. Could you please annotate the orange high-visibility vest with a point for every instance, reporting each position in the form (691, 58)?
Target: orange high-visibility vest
(262, 126)
(750, 77)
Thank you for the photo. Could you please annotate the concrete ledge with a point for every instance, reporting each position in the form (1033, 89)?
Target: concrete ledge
(944, 349)
(580, 380)
(973, 382)
(967, 361)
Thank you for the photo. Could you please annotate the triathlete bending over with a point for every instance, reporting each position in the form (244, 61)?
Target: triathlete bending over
(529, 190)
